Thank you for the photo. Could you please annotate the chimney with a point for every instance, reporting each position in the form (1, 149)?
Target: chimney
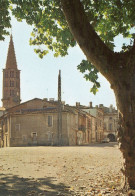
(63, 102)
(110, 108)
(77, 104)
(100, 105)
(90, 104)
(45, 99)
(51, 99)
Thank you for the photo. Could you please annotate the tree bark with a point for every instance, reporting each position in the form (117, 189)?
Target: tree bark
(118, 69)
(125, 96)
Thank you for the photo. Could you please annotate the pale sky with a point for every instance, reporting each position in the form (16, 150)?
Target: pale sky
(39, 76)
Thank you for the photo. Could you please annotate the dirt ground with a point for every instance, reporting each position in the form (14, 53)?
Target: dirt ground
(82, 170)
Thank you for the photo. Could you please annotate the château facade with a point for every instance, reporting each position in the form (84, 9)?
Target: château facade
(110, 123)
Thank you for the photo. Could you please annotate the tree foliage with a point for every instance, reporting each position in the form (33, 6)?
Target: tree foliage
(94, 25)
(90, 73)
(4, 18)
(50, 30)
(108, 18)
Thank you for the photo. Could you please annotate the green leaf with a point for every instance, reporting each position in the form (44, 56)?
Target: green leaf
(90, 74)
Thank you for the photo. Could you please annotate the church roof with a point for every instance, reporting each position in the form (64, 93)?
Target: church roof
(11, 58)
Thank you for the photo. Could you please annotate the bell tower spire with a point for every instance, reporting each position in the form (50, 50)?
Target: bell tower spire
(11, 79)
(11, 58)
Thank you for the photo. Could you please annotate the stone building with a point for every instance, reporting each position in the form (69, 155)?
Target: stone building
(86, 129)
(2, 109)
(46, 122)
(110, 122)
(35, 122)
(106, 121)
(97, 120)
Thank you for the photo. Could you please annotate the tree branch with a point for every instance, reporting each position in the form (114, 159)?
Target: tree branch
(90, 43)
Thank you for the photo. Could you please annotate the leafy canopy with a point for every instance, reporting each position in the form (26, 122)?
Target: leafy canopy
(4, 18)
(109, 18)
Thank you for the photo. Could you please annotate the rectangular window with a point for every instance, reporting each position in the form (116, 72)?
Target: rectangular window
(110, 127)
(24, 138)
(50, 121)
(17, 127)
(12, 93)
(34, 134)
(11, 74)
(6, 84)
(11, 83)
(6, 74)
(104, 126)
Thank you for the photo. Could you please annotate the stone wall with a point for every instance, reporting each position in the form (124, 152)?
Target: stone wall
(33, 129)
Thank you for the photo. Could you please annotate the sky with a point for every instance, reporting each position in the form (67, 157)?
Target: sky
(39, 77)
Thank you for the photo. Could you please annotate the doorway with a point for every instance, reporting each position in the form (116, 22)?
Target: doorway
(34, 138)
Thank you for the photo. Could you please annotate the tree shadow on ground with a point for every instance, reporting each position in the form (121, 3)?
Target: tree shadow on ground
(110, 144)
(13, 185)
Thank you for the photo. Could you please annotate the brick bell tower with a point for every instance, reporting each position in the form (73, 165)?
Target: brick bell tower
(11, 79)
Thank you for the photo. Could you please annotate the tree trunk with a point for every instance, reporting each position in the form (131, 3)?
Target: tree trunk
(125, 96)
(118, 69)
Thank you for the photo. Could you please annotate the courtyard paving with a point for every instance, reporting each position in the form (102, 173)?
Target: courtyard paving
(50, 171)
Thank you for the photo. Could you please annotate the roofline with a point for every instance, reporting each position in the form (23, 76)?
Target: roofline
(23, 103)
(33, 113)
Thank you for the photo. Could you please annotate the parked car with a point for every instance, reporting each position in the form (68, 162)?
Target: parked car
(105, 140)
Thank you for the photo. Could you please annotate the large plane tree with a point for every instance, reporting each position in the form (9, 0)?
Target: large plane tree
(93, 25)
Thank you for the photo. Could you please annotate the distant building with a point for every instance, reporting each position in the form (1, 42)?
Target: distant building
(110, 122)
(97, 121)
(35, 122)
(106, 121)
(86, 128)
(48, 122)
(2, 109)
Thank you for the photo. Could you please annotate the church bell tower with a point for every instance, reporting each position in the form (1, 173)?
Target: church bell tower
(11, 79)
